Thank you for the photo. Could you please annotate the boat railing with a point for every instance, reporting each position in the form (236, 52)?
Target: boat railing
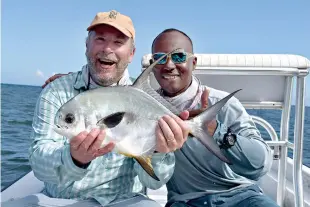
(267, 82)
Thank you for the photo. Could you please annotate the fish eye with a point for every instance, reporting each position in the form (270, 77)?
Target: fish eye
(69, 118)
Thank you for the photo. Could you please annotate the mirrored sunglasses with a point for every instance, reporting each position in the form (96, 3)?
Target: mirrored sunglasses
(176, 57)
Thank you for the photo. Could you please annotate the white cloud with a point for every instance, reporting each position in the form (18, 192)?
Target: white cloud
(40, 74)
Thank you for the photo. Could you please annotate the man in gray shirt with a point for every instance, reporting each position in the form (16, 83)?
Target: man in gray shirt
(200, 178)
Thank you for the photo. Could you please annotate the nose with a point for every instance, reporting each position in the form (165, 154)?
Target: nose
(169, 65)
(107, 47)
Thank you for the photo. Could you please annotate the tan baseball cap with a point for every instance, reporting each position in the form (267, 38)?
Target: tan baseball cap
(115, 19)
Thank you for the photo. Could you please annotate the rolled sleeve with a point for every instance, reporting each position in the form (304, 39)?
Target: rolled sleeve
(163, 165)
(49, 155)
(72, 170)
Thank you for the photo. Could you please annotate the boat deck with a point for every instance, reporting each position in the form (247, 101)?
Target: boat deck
(160, 195)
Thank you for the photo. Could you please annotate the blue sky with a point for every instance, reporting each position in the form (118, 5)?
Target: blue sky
(40, 38)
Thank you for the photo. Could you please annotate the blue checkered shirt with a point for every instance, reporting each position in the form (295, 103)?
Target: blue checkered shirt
(107, 178)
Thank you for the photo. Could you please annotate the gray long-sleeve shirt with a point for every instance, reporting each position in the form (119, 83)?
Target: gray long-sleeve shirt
(198, 172)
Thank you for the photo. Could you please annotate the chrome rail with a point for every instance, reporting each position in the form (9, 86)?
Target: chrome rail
(245, 71)
(263, 105)
(298, 141)
(284, 133)
(281, 145)
(267, 126)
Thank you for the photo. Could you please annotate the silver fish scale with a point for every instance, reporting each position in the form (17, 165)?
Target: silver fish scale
(119, 99)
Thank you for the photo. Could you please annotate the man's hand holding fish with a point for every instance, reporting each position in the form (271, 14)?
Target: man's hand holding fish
(87, 146)
(171, 133)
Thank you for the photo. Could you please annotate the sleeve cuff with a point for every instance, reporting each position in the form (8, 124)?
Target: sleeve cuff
(163, 164)
(221, 129)
(158, 157)
(71, 168)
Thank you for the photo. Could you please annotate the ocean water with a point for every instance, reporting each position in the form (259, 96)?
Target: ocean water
(17, 107)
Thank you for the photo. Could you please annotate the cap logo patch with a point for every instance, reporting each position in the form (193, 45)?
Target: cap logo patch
(113, 15)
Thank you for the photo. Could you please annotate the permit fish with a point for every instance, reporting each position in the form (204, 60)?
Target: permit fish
(129, 115)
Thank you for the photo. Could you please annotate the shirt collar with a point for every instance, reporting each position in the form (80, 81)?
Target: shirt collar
(82, 81)
(79, 81)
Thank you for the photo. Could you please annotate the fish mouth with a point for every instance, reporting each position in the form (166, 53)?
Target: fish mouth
(58, 129)
(61, 127)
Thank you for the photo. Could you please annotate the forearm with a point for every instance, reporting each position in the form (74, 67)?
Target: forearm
(250, 156)
(163, 165)
(49, 155)
(51, 162)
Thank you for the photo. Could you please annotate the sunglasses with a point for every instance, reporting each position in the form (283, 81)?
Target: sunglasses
(176, 57)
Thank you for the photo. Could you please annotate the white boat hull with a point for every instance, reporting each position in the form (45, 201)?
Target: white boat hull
(29, 185)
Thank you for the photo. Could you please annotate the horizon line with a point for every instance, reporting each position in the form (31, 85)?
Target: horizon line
(131, 77)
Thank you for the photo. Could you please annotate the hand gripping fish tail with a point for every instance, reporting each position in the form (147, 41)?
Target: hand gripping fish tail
(199, 130)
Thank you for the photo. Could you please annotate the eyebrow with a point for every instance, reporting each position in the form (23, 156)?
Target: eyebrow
(122, 36)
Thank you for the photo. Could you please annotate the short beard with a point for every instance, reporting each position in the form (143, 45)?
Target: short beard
(106, 80)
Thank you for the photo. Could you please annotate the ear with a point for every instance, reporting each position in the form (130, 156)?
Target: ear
(194, 62)
(132, 54)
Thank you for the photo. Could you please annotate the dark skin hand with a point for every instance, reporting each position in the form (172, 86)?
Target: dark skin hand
(204, 105)
(52, 78)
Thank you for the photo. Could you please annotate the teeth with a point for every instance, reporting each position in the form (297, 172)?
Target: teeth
(170, 77)
(108, 61)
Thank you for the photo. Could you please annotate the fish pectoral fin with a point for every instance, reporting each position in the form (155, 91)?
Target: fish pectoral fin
(146, 164)
(112, 120)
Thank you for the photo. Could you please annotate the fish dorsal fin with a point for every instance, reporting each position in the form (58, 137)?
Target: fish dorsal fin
(144, 76)
(143, 83)
(112, 120)
(150, 91)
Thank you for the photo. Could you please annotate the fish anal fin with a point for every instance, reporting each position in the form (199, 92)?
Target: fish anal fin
(146, 164)
(111, 120)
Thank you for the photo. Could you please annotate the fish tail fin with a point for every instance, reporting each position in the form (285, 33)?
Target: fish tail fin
(146, 164)
(199, 129)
